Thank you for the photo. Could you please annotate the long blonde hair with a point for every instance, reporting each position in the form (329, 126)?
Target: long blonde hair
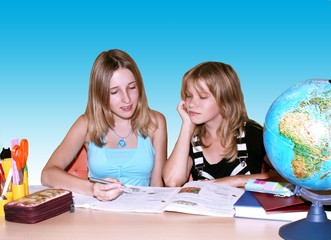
(224, 84)
(100, 117)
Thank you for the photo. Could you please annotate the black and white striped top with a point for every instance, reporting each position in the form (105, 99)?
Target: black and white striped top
(250, 156)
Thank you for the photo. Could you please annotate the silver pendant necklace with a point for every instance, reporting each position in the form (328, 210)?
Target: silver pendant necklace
(121, 143)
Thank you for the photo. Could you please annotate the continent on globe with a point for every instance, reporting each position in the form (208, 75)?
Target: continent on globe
(297, 134)
(310, 149)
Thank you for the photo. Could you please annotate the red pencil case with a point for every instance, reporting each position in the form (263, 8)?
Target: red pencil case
(39, 206)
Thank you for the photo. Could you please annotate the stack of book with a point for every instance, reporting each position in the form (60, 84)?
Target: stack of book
(270, 207)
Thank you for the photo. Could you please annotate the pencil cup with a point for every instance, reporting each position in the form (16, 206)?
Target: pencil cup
(9, 196)
(2, 203)
(18, 191)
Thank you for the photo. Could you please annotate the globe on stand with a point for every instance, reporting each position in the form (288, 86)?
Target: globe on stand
(297, 138)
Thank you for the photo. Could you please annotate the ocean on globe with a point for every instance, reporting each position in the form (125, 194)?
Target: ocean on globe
(297, 134)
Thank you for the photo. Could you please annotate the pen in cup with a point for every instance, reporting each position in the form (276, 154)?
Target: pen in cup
(103, 181)
(5, 188)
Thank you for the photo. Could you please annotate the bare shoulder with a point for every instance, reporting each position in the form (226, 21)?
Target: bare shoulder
(159, 120)
(159, 117)
(80, 128)
(160, 124)
(82, 120)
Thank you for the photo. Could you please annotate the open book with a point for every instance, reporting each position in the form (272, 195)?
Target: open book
(195, 197)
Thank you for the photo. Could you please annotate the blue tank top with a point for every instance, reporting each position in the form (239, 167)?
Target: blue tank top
(131, 166)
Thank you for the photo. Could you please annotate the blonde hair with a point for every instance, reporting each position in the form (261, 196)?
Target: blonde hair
(100, 117)
(224, 84)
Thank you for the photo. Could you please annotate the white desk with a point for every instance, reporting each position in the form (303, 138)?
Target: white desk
(98, 225)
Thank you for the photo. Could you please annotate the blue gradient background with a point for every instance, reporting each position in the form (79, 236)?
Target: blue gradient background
(48, 47)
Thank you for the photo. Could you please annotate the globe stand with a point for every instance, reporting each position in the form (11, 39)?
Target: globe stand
(315, 226)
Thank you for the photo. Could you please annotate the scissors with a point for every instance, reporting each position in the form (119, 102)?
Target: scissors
(20, 153)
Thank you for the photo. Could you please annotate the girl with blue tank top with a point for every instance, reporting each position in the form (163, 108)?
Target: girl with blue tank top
(126, 141)
(131, 166)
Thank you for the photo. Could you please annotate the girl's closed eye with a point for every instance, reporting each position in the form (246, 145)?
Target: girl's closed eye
(132, 85)
(187, 95)
(204, 95)
(113, 92)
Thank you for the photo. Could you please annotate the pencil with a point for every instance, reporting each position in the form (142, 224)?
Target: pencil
(103, 181)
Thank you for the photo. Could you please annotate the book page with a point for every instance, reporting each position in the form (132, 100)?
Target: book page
(205, 198)
(140, 199)
(196, 197)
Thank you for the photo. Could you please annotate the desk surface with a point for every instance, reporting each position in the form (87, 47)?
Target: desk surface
(94, 224)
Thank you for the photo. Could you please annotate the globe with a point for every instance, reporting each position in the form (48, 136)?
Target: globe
(297, 139)
(297, 134)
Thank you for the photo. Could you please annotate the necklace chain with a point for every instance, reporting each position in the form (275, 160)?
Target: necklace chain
(121, 143)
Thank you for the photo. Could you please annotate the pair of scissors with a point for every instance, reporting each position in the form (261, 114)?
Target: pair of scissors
(20, 153)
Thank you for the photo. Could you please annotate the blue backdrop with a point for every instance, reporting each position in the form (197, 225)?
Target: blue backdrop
(48, 47)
